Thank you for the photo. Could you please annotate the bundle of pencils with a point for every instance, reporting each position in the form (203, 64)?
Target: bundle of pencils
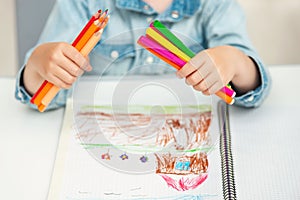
(162, 43)
(84, 43)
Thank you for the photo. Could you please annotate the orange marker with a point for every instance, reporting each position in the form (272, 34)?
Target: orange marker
(228, 99)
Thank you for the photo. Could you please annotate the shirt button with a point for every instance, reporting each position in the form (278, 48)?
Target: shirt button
(251, 98)
(150, 60)
(146, 7)
(175, 14)
(114, 54)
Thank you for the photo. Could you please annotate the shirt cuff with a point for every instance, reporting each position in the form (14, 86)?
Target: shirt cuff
(24, 97)
(254, 98)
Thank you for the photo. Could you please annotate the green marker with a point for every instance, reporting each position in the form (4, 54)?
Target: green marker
(172, 38)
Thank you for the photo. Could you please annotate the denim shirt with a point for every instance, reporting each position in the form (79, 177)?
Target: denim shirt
(201, 24)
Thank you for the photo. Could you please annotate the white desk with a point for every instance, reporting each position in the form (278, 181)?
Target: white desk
(28, 139)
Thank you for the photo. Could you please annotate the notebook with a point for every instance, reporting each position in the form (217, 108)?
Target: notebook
(142, 138)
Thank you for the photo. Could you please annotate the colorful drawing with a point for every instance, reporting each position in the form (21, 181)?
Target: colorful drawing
(144, 159)
(124, 156)
(176, 142)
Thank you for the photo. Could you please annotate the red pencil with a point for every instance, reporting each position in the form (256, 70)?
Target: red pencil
(94, 20)
(91, 21)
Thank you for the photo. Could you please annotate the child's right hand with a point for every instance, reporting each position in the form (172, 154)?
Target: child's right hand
(59, 63)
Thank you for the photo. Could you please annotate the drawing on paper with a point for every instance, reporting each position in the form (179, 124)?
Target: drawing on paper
(171, 141)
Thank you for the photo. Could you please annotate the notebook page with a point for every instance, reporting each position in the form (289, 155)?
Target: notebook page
(265, 143)
(78, 175)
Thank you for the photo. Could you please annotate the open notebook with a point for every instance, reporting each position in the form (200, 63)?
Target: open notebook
(139, 138)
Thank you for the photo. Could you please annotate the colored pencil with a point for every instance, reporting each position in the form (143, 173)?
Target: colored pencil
(50, 95)
(90, 22)
(89, 36)
(88, 47)
(91, 30)
(37, 92)
(42, 93)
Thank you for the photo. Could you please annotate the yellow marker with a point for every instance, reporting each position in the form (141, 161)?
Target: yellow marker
(165, 43)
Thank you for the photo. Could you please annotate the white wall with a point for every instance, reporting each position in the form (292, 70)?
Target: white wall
(8, 47)
(274, 28)
(273, 25)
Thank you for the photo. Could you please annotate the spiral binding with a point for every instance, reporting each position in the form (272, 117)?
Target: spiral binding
(229, 190)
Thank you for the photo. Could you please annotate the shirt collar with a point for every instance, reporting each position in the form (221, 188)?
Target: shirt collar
(176, 11)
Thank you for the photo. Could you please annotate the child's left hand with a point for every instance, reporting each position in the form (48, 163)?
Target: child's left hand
(212, 69)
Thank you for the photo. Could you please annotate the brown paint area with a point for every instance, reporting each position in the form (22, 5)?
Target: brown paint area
(166, 163)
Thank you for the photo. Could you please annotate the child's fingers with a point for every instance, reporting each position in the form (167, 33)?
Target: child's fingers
(194, 78)
(214, 88)
(70, 67)
(206, 84)
(195, 63)
(75, 56)
(201, 86)
(64, 76)
(186, 70)
(58, 82)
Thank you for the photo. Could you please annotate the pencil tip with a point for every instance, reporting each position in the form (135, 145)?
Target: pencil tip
(106, 11)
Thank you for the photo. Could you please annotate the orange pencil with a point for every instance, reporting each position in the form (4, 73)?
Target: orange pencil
(90, 35)
(92, 29)
(50, 95)
(90, 22)
(91, 43)
(42, 93)
(84, 51)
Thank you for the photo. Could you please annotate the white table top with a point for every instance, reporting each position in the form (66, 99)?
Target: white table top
(28, 139)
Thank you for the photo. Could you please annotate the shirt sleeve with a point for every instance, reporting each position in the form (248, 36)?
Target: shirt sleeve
(225, 24)
(64, 23)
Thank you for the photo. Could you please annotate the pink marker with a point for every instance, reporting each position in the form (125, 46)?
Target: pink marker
(228, 91)
(162, 51)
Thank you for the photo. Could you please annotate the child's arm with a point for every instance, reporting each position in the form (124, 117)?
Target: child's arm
(64, 23)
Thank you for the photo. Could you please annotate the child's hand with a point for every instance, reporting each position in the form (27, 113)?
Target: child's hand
(59, 63)
(212, 69)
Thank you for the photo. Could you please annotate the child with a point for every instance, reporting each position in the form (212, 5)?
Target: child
(218, 25)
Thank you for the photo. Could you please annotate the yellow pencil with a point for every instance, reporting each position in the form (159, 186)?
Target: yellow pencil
(165, 43)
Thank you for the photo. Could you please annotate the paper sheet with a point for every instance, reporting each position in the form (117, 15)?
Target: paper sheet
(265, 143)
(78, 174)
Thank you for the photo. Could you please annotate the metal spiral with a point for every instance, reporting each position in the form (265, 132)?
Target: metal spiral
(229, 190)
